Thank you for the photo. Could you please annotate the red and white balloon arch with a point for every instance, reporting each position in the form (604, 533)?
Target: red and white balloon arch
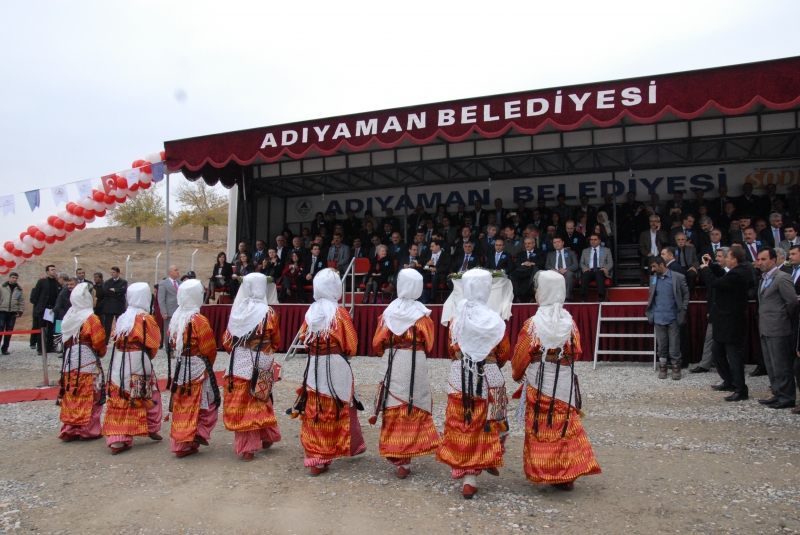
(76, 215)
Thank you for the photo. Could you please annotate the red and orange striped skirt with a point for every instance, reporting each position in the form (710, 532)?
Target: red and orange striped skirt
(469, 446)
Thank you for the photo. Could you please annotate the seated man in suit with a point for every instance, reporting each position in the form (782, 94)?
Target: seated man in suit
(498, 259)
(686, 256)
(397, 248)
(685, 228)
(411, 260)
(339, 253)
(651, 242)
(448, 231)
(716, 244)
(513, 243)
(791, 238)
(751, 246)
(357, 250)
(486, 243)
(668, 254)
(436, 266)
(596, 264)
(458, 245)
(466, 260)
(315, 263)
(421, 243)
(526, 263)
(773, 234)
(565, 262)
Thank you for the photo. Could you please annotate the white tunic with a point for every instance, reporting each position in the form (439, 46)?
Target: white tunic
(341, 376)
(400, 386)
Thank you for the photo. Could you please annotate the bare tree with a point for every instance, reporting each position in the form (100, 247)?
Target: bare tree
(202, 206)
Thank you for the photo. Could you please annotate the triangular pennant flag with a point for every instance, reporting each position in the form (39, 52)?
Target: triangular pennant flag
(7, 203)
(132, 176)
(33, 199)
(84, 189)
(157, 170)
(109, 184)
(60, 195)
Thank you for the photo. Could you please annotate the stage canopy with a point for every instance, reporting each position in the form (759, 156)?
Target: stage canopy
(671, 119)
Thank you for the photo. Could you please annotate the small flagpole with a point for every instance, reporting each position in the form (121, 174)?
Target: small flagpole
(166, 170)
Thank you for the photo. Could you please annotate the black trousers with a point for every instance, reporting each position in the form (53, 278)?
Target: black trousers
(522, 281)
(729, 359)
(435, 280)
(7, 321)
(685, 345)
(108, 319)
(597, 275)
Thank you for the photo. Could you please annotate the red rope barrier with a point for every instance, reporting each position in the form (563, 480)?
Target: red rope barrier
(35, 331)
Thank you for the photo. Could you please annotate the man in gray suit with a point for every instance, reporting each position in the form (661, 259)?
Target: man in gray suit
(596, 264)
(339, 253)
(563, 261)
(686, 256)
(666, 311)
(168, 298)
(777, 305)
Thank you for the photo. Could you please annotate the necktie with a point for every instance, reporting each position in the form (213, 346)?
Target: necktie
(175, 283)
(777, 233)
(683, 259)
(496, 259)
(559, 261)
(335, 255)
(753, 251)
(428, 237)
(529, 255)
(794, 273)
(466, 261)
(714, 248)
(594, 261)
(313, 264)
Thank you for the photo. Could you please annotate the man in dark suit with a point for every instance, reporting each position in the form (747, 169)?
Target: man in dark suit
(386, 235)
(373, 250)
(526, 264)
(573, 240)
(718, 205)
(44, 297)
(458, 244)
(351, 226)
(707, 360)
(596, 264)
(565, 262)
(391, 219)
(668, 254)
(715, 243)
(651, 242)
(412, 260)
(485, 245)
(436, 266)
(116, 288)
(676, 209)
(501, 214)
(773, 235)
(397, 248)
(357, 250)
(748, 203)
(465, 260)
(791, 239)
(448, 231)
(498, 259)
(315, 262)
(751, 245)
(261, 252)
(686, 256)
(777, 308)
(480, 217)
(282, 249)
(729, 316)
(588, 209)
(416, 221)
(686, 228)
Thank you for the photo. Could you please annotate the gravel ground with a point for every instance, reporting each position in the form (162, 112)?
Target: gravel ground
(675, 459)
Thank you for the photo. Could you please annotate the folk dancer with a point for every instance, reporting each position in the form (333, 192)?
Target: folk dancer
(82, 392)
(253, 336)
(556, 450)
(134, 406)
(327, 400)
(195, 395)
(475, 426)
(403, 340)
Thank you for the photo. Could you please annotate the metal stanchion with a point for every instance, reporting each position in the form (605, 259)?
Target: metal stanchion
(42, 339)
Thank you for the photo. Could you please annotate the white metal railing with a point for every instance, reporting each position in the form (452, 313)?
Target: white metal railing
(128, 273)
(156, 275)
(194, 253)
(351, 269)
(599, 334)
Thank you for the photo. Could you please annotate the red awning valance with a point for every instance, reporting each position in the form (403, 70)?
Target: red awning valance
(731, 90)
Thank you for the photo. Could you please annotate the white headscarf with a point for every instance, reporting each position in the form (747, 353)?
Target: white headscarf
(477, 329)
(82, 307)
(606, 224)
(404, 311)
(250, 306)
(138, 297)
(321, 315)
(553, 323)
(190, 299)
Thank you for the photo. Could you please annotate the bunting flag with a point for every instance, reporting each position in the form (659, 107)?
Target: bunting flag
(60, 195)
(132, 175)
(157, 170)
(109, 184)
(7, 202)
(33, 199)
(84, 189)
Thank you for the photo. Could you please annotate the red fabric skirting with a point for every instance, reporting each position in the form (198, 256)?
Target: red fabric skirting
(585, 315)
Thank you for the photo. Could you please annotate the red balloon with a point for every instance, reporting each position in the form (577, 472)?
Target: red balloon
(11, 264)
(9, 246)
(78, 211)
(50, 239)
(163, 155)
(27, 255)
(51, 220)
(59, 224)
(145, 185)
(88, 213)
(147, 169)
(39, 236)
(2, 262)
(38, 252)
(32, 230)
(69, 227)
(101, 213)
(22, 235)
(98, 195)
(108, 199)
(121, 182)
(122, 200)
(81, 226)
(61, 238)
(133, 187)
(71, 206)
(138, 163)
(16, 252)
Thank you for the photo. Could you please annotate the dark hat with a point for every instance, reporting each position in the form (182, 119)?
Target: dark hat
(191, 275)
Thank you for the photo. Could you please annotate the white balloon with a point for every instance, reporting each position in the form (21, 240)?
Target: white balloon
(90, 220)
(17, 244)
(8, 257)
(27, 248)
(41, 224)
(119, 193)
(133, 194)
(61, 213)
(109, 206)
(85, 202)
(69, 218)
(145, 178)
(27, 239)
(98, 206)
(39, 244)
(21, 261)
(60, 232)
(153, 157)
(49, 230)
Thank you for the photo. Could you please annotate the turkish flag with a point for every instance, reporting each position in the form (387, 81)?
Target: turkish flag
(109, 183)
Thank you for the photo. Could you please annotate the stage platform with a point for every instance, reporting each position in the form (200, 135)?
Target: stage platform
(585, 315)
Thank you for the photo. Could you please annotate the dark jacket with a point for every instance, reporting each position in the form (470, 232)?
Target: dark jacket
(272, 270)
(100, 294)
(729, 310)
(63, 303)
(458, 261)
(504, 263)
(44, 295)
(226, 270)
(442, 268)
(115, 301)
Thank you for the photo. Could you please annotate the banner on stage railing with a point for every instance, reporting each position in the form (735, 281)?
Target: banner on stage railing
(643, 182)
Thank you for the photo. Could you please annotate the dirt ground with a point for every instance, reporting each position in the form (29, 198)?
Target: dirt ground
(675, 459)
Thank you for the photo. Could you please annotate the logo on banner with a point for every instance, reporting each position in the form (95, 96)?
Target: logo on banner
(303, 208)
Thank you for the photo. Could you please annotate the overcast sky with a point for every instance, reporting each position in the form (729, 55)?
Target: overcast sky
(88, 87)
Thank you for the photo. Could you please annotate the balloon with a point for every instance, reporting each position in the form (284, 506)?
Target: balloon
(162, 155)
(121, 182)
(138, 163)
(11, 264)
(146, 185)
(108, 199)
(78, 220)
(61, 213)
(70, 207)
(37, 251)
(27, 249)
(133, 187)
(39, 236)
(88, 212)
(102, 213)
(61, 238)
(145, 178)
(38, 244)
(89, 219)
(81, 226)
(59, 225)
(98, 195)
(27, 240)
(49, 230)
(132, 194)
(69, 218)
(8, 246)
(154, 157)
(50, 239)
(32, 230)
(69, 227)
(2, 262)
(120, 194)
(51, 220)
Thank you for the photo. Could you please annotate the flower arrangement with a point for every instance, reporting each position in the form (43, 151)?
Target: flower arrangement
(496, 274)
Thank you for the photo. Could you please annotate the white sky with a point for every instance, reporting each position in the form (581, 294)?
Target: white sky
(88, 87)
